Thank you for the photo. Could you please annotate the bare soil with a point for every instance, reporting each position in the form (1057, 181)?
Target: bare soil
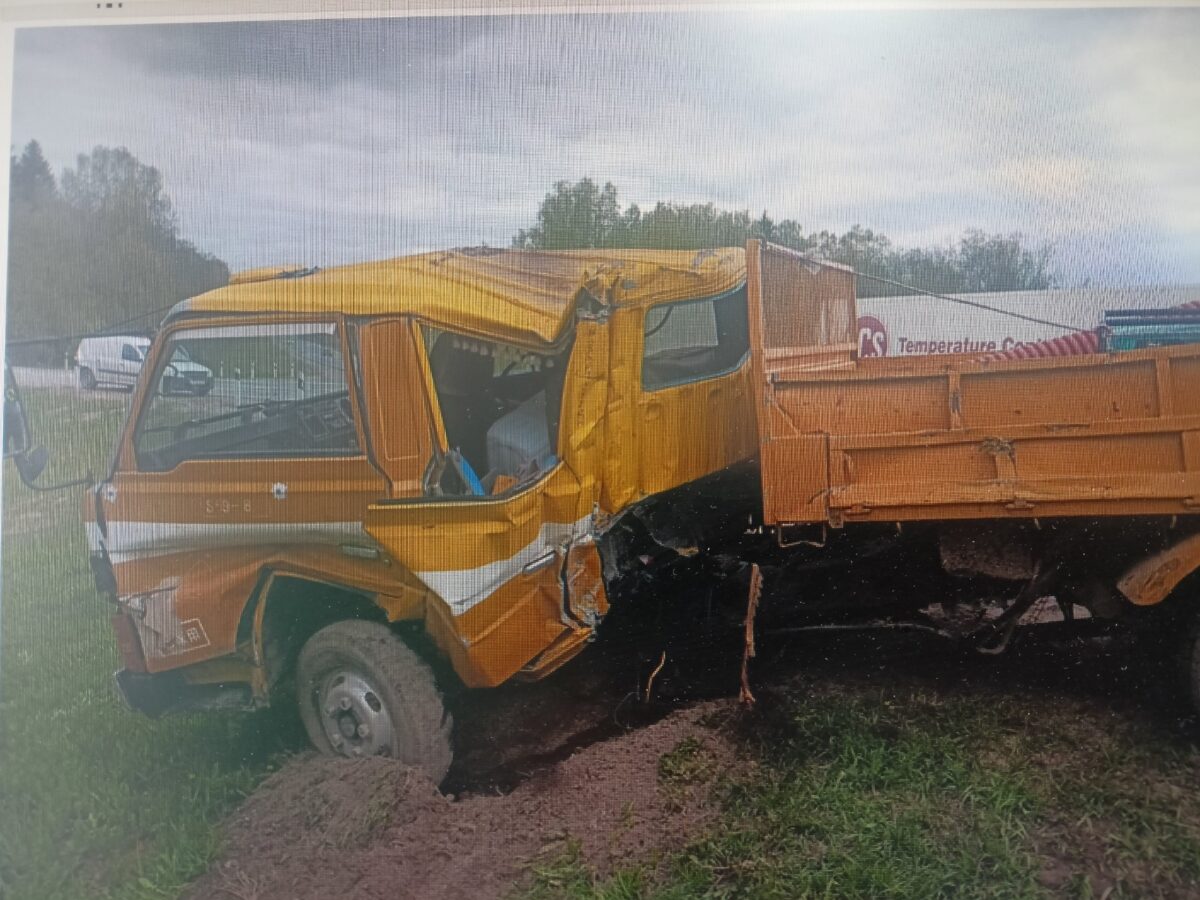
(323, 827)
(577, 762)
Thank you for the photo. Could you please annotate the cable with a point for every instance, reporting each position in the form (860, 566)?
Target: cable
(153, 312)
(916, 290)
(974, 303)
(108, 329)
(103, 330)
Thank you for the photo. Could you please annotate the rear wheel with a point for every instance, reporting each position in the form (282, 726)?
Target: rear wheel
(87, 379)
(362, 692)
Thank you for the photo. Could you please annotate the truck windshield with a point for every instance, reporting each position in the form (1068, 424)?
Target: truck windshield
(236, 391)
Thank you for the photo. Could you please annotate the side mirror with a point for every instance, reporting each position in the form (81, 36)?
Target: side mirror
(18, 440)
(16, 425)
(30, 465)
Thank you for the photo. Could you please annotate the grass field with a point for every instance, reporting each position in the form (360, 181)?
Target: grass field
(859, 781)
(95, 801)
(862, 789)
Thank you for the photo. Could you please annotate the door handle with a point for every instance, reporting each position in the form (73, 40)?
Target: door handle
(540, 563)
(359, 551)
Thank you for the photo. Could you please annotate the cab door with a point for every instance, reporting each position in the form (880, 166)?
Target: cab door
(401, 431)
(514, 576)
(694, 412)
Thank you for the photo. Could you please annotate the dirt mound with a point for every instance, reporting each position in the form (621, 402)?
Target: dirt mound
(372, 828)
(321, 802)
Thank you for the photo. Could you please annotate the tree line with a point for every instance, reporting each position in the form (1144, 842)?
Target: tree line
(585, 215)
(94, 246)
(100, 244)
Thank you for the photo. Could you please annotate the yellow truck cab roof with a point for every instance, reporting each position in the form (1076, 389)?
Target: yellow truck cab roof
(522, 296)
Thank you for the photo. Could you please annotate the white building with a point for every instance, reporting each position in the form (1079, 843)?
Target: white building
(919, 325)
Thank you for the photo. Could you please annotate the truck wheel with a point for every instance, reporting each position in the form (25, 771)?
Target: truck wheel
(87, 380)
(363, 692)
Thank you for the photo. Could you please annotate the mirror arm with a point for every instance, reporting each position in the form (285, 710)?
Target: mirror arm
(85, 481)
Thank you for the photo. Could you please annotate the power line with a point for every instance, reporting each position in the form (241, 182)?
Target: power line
(973, 303)
(106, 329)
(826, 264)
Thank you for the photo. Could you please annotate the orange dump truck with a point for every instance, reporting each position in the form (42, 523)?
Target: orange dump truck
(468, 454)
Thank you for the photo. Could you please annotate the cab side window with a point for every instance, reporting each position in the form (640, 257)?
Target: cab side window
(129, 353)
(241, 391)
(694, 340)
(500, 407)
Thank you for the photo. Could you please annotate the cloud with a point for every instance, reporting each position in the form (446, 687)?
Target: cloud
(323, 141)
(1148, 95)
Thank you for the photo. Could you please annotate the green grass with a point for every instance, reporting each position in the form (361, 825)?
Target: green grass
(871, 792)
(95, 800)
(845, 788)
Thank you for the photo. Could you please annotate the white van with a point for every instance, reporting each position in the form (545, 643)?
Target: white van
(117, 360)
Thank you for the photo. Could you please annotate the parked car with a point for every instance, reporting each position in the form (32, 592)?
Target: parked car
(117, 360)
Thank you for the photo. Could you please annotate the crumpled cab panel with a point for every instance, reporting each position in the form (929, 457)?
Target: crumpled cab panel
(512, 576)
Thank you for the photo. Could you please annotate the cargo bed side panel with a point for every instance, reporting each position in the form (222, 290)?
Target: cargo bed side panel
(958, 436)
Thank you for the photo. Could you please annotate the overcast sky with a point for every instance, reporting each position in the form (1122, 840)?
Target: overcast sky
(321, 142)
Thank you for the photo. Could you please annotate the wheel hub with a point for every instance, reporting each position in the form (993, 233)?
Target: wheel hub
(353, 715)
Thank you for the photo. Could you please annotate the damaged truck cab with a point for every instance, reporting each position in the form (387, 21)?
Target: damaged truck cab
(428, 447)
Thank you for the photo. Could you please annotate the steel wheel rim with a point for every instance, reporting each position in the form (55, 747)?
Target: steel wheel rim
(353, 715)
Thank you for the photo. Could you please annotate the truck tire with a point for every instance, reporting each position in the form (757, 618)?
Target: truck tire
(87, 379)
(362, 691)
